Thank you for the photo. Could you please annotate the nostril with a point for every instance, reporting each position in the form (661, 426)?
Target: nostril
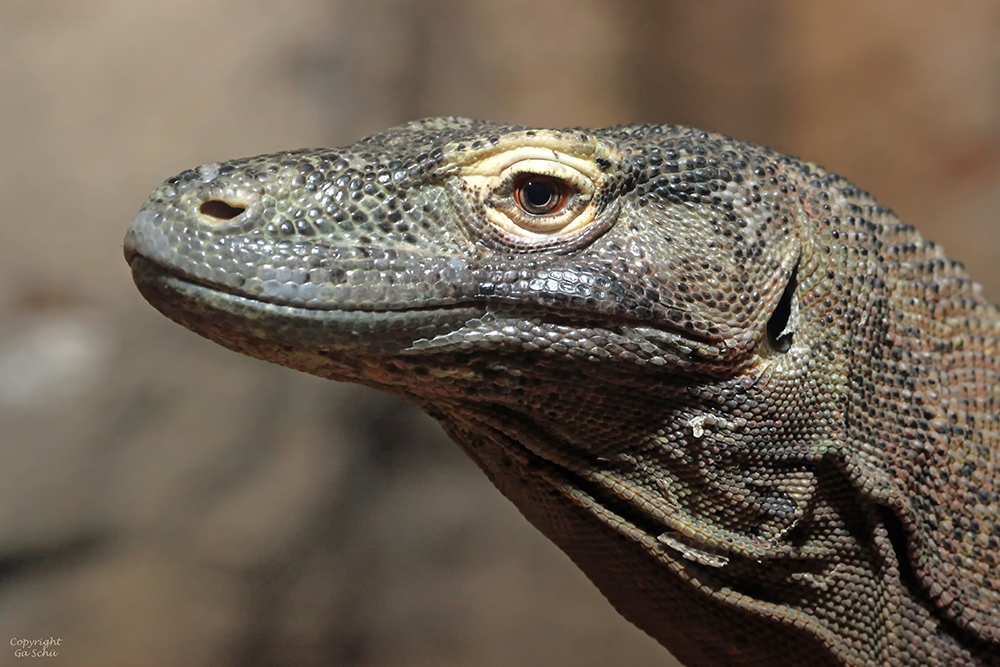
(220, 210)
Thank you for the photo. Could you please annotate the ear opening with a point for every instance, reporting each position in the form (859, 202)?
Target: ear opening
(781, 326)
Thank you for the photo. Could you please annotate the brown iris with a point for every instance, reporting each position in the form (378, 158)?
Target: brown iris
(540, 195)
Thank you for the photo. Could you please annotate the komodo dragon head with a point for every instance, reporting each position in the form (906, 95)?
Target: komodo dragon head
(663, 345)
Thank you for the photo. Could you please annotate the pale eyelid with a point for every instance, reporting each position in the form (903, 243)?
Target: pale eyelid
(496, 164)
(499, 171)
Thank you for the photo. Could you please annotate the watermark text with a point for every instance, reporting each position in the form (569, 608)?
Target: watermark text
(36, 648)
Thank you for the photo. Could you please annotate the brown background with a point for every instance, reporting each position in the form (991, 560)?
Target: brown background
(165, 502)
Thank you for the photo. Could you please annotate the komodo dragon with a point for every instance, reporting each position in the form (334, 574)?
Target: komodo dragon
(759, 412)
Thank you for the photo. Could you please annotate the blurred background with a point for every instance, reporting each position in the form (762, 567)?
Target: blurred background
(166, 502)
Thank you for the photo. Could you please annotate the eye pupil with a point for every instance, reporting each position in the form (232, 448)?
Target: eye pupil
(539, 195)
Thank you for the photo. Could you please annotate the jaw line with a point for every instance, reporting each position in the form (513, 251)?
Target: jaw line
(223, 316)
(184, 298)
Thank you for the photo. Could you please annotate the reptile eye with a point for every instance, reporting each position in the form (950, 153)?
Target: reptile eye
(540, 195)
(539, 189)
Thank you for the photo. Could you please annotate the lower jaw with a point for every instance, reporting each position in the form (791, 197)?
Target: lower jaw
(243, 323)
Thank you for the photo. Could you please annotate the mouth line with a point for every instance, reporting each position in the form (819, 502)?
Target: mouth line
(141, 263)
(169, 274)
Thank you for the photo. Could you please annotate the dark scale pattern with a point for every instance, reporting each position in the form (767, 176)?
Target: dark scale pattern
(759, 412)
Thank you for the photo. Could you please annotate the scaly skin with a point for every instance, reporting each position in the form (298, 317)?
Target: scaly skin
(755, 409)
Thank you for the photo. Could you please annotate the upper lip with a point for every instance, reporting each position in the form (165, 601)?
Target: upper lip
(131, 255)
